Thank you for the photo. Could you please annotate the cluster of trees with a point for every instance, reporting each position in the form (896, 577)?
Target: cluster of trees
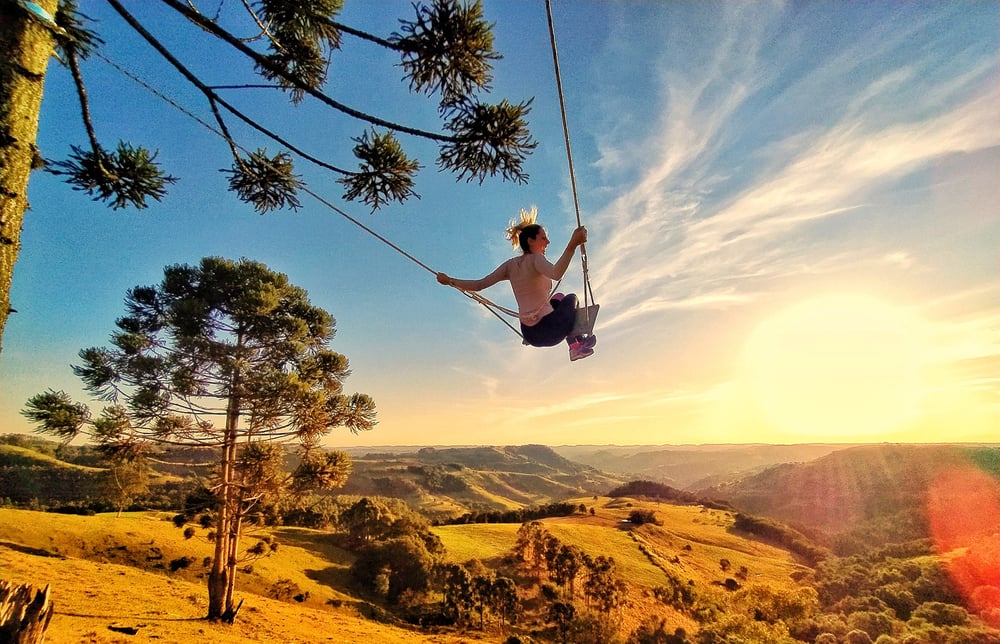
(478, 594)
(438, 479)
(660, 492)
(570, 569)
(400, 562)
(652, 490)
(397, 554)
(521, 515)
(640, 517)
(782, 535)
(892, 595)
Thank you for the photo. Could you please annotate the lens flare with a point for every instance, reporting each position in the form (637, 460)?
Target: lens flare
(963, 509)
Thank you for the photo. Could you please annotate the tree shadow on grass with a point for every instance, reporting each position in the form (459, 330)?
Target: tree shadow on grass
(336, 576)
(118, 618)
(37, 552)
(318, 542)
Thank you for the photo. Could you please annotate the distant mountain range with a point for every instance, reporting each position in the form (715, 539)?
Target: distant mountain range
(846, 497)
(857, 497)
(449, 481)
(692, 467)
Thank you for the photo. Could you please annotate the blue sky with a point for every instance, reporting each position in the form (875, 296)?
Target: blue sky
(793, 216)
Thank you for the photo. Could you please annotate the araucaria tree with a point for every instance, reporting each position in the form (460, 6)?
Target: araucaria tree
(445, 51)
(225, 354)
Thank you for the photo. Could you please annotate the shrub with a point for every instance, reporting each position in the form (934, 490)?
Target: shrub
(639, 517)
(181, 563)
(285, 589)
(941, 614)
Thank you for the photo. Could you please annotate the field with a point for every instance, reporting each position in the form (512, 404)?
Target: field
(108, 573)
(699, 538)
(102, 577)
(689, 545)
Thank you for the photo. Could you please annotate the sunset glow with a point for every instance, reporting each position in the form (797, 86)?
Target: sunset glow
(837, 366)
(963, 509)
(792, 210)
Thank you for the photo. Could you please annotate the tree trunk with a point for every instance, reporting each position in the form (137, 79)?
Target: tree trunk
(26, 45)
(23, 618)
(220, 600)
(218, 579)
(234, 551)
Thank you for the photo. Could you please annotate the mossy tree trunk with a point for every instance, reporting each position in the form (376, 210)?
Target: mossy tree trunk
(25, 48)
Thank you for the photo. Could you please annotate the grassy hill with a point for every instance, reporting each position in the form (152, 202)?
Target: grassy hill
(691, 467)
(689, 546)
(859, 498)
(140, 572)
(443, 483)
(107, 572)
(118, 572)
(26, 474)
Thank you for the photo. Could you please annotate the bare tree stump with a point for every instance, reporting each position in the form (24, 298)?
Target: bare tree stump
(24, 613)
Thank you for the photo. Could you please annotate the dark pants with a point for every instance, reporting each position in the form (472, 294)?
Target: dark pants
(554, 327)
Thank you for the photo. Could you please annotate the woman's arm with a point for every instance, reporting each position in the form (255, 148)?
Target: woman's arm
(558, 269)
(475, 285)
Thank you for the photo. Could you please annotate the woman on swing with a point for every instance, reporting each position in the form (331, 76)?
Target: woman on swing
(545, 321)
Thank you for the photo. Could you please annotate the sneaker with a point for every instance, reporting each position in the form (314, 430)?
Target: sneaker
(589, 341)
(579, 353)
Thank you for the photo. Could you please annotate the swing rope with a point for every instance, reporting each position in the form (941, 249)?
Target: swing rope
(587, 292)
(493, 307)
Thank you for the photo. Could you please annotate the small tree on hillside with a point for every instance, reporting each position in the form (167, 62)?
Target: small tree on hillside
(504, 600)
(459, 596)
(603, 588)
(530, 547)
(124, 481)
(224, 354)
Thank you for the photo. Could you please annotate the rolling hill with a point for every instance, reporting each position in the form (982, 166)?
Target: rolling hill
(443, 483)
(691, 467)
(858, 498)
(107, 572)
(694, 568)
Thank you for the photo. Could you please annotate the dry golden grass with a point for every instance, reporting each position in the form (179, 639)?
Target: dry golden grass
(483, 541)
(14, 455)
(110, 572)
(689, 545)
(93, 594)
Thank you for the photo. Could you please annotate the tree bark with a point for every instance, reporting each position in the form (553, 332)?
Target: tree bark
(26, 45)
(218, 578)
(24, 613)
(222, 576)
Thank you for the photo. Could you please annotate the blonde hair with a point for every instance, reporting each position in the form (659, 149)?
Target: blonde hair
(513, 232)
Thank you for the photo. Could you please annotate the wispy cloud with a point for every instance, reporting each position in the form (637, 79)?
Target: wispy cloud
(753, 153)
(675, 239)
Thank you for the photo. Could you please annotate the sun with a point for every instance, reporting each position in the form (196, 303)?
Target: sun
(836, 366)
